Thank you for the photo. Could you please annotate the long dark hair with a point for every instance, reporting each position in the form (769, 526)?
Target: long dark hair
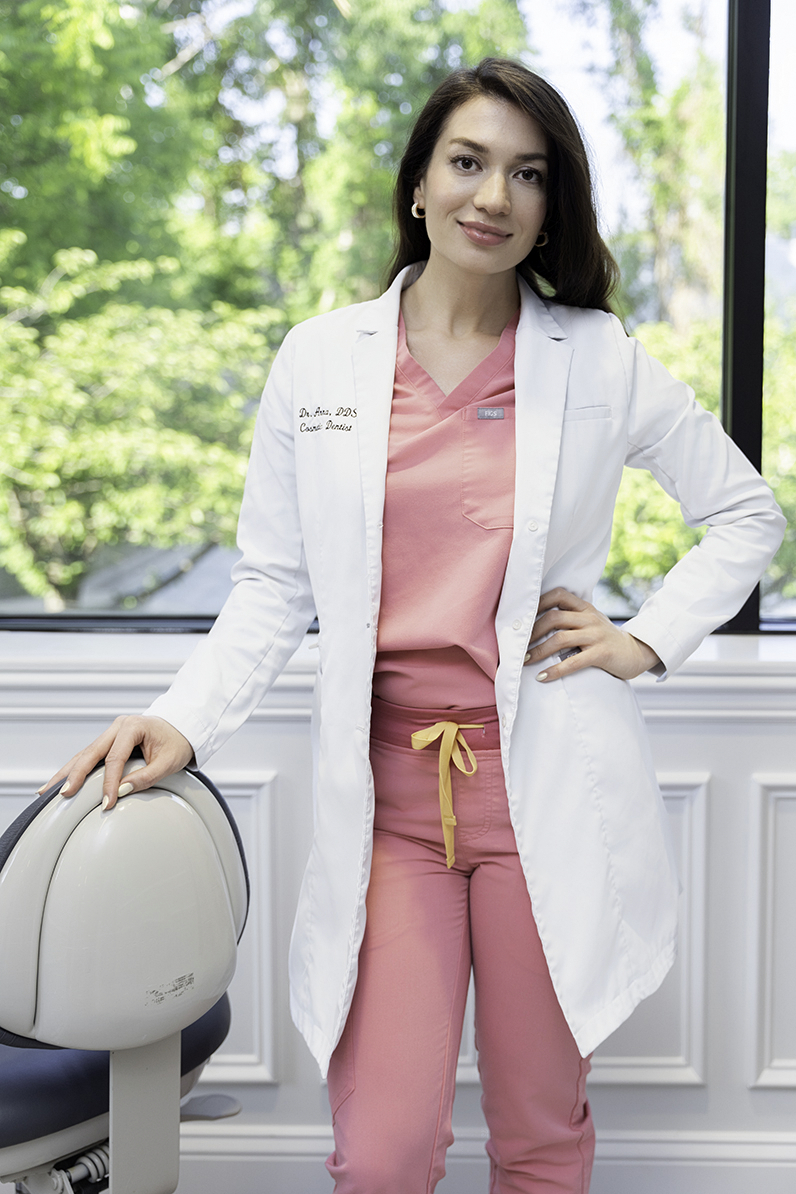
(575, 264)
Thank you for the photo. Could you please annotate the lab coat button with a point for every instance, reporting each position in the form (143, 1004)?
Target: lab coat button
(516, 624)
(533, 526)
(503, 721)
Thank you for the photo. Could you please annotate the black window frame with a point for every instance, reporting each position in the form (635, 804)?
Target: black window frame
(748, 55)
(746, 187)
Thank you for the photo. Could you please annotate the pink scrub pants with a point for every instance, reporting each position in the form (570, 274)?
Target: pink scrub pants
(392, 1076)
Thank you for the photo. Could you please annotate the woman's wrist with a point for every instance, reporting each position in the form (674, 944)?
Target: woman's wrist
(648, 658)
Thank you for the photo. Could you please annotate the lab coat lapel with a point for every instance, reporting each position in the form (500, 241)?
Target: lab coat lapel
(374, 350)
(541, 371)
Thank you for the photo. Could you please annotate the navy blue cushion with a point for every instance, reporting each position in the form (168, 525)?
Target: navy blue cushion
(45, 1091)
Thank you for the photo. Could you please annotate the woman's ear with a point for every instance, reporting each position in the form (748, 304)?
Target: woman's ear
(417, 194)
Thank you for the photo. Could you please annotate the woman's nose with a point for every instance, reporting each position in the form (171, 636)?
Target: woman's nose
(493, 194)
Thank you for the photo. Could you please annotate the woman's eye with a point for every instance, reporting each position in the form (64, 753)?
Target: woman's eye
(465, 162)
(531, 175)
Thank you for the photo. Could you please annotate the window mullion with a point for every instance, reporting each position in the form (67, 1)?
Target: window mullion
(749, 31)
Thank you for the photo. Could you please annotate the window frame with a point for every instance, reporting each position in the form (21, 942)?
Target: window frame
(746, 180)
(748, 61)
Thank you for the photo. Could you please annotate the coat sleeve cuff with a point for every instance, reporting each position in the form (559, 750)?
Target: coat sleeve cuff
(189, 726)
(670, 652)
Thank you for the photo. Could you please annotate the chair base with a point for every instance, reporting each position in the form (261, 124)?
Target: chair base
(17, 1160)
(87, 1173)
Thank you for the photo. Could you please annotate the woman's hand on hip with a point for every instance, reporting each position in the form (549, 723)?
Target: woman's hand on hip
(575, 625)
(164, 748)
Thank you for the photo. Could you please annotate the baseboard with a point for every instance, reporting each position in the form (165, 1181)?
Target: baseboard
(226, 1139)
(241, 1158)
(288, 1159)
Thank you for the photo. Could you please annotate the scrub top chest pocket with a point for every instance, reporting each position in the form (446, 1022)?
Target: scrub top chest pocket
(488, 462)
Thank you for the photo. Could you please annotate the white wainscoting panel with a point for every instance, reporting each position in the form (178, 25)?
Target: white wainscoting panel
(679, 1106)
(227, 1156)
(671, 1020)
(247, 1054)
(773, 930)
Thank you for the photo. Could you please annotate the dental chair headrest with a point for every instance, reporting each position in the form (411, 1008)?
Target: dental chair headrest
(119, 928)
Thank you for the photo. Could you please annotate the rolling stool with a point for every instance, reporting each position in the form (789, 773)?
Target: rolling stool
(118, 940)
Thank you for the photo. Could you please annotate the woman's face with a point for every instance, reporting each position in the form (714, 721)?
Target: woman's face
(484, 191)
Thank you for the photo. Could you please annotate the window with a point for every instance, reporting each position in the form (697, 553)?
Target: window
(243, 184)
(778, 589)
(648, 83)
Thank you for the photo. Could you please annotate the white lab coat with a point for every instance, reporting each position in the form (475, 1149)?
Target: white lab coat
(586, 810)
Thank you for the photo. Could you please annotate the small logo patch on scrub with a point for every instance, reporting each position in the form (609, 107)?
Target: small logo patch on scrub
(490, 412)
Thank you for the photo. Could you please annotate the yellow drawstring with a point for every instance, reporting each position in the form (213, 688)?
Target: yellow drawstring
(448, 752)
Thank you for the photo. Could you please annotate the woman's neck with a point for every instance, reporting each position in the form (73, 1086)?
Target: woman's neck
(458, 304)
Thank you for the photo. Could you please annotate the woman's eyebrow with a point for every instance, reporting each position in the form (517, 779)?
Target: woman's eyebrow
(476, 148)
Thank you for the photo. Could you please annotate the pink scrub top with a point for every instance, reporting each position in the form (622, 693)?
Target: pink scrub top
(448, 523)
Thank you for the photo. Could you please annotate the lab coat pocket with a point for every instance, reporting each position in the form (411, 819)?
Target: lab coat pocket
(577, 414)
(610, 730)
(488, 465)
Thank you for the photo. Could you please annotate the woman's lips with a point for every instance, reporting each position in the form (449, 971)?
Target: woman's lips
(484, 234)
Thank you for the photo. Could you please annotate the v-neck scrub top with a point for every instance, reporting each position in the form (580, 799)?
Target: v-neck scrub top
(448, 524)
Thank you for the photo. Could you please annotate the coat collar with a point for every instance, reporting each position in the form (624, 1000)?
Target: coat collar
(381, 314)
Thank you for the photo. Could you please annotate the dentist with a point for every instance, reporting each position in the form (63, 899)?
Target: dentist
(434, 474)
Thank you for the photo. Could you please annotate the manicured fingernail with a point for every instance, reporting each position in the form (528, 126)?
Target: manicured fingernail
(105, 802)
(65, 789)
(542, 676)
(125, 789)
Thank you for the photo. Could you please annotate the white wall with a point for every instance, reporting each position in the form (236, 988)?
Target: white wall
(695, 1094)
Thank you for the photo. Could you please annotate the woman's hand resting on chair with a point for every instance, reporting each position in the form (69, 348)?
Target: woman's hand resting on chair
(165, 751)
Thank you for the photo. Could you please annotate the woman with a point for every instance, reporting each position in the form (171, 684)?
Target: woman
(452, 591)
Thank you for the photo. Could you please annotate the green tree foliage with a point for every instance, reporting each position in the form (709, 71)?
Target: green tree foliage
(649, 534)
(671, 293)
(178, 187)
(84, 159)
(779, 409)
(384, 70)
(131, 424)
(671, 264)
(781, 204)
(171, 203)
(779, 442)
(326, 190)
